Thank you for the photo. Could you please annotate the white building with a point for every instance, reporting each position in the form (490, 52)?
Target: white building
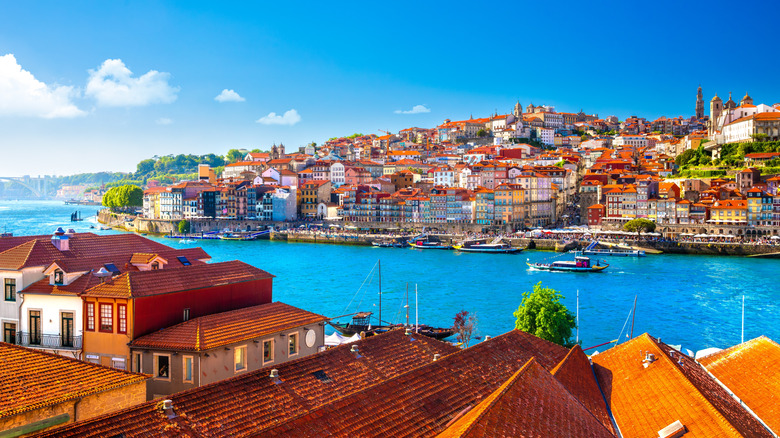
(630, 140)
(337, 174)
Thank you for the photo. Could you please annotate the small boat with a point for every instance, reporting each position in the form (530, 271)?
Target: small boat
(103, 228)
(389, 243)
(615, 252)
(425, 242)
(579, 264)
(233, 236)
(482, 245)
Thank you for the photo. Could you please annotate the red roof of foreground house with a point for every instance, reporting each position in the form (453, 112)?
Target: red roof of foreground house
(257, 402)
(33, 380)
(145, 283)
(750, 371)
(530, 403)
(672, 387)
(212, 331)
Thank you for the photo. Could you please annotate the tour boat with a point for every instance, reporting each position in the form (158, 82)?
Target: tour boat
(615, 252)
(424, 242)
(482, 245)
(389, 243)
(579, 264)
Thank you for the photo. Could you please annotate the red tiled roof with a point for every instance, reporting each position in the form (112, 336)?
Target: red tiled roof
(750, 371)
(145, 283)
(212, 331)
(249, 403)
(31, 379)
(671, 388)
(420, 402)
(531, 403)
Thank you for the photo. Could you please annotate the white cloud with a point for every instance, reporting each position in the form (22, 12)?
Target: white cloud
(229, 96)
(113, 84)
(417, 109)
(289, 118)
(23, 95)
(163, 121)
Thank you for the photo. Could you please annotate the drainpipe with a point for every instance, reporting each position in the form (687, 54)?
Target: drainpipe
(19, 326)
(75, 406)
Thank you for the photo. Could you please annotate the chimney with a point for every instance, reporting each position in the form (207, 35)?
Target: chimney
(167, 408)
(649, 358)
(487, 337)
(436, 357)
(60, 241)
(274, 374)
(408, 332)
(354, 349)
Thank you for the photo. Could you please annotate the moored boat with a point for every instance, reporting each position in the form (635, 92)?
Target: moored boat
(579, 264)
(389, 243)
(482, 245)
(615, 252)
(424, 241)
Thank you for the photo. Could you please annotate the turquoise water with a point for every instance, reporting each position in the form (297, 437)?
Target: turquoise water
(690, 300)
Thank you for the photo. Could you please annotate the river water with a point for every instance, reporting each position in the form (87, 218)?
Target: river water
(695, 301)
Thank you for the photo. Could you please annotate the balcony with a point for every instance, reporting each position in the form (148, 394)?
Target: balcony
(37, 340)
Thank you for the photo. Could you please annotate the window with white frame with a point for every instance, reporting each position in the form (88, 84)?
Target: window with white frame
(239, 358)
(162, 366)
(292, 344)
(268, 351)
(138, 362)
(186, 362)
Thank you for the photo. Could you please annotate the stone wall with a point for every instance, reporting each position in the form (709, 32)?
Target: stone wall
(76, 410)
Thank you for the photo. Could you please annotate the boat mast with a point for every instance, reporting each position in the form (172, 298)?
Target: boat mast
(380, 292)
(743, 319)
(578, 316)
(416, 324)
(633, 316)
(407, 305)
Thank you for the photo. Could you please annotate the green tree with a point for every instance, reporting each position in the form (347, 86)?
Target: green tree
(639, 225)
(481, 133)
(123, 197)
(234, 155)
(184, 227)
(542, 314)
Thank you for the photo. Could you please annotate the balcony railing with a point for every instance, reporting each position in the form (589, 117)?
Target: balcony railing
(38, 340)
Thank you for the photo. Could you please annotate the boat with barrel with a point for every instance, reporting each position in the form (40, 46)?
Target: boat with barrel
(425, 241)
(614, 252)
(361, 322)
(497, 245)
(579, 264)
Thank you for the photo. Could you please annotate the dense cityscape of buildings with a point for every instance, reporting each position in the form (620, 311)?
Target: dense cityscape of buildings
(529, 168)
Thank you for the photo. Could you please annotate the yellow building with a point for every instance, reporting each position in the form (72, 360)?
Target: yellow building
(729, 211)
(509, 208)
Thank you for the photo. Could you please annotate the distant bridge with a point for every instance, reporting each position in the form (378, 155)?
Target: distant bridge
(28, 184)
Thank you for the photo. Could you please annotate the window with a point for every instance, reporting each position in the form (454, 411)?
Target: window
(118, 363)
(91, 317)
(35, 327)
(155, 266)
(58, 277)
(93, 358)
(138, 362)
(10, 289)
(106, 317)
(9, 332)
(239, 356)
(162, 366)
(186, 316)
(184, 261)
(268, 351)
(110, 267)
(187, 369)
(121, 318)
(292, 344)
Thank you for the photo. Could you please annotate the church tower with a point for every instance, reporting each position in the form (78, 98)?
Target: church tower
(716, 107)
(530, 108)
(747, 100)
(699, 104)
(518, 110)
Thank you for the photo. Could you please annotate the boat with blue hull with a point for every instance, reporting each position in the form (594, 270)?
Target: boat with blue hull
(425, 241)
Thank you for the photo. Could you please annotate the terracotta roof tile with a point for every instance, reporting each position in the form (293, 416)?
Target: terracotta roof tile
(146, 283)
(750, 370)
(547, 410)
(645, 400)
(32, 379)
(212, 331)
(576, 375)
(422, 401)
(256, 402)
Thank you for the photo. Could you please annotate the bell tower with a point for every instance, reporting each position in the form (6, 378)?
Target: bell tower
(699, 104)
(716, 107)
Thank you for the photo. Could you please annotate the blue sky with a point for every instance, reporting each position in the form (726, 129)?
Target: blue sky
(89, 86)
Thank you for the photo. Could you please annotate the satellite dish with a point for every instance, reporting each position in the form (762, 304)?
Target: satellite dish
(311, 338)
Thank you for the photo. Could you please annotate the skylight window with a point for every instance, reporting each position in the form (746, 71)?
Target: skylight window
(321, 376)
(184, 261)
(112, 268)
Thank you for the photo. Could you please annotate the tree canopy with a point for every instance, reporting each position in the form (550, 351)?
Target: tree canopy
(123, 197)
(464, 325)
(542, 314)
(639, 226)
(184, 227)
(234, 155)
